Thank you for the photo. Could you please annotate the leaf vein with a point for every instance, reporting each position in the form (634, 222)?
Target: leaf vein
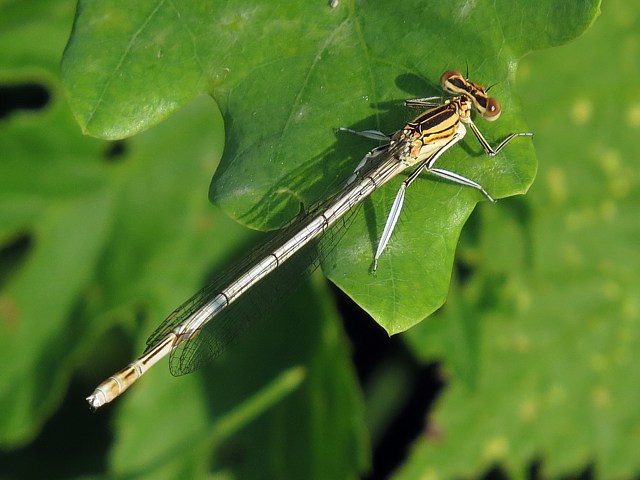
(121, 61)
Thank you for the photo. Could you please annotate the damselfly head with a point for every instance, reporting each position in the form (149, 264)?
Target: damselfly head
(455, 83)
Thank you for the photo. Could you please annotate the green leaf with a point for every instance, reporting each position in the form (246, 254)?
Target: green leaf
(284, 407)
(554, 291)
(286, 74)
(100, 237)
(88, 223)
(40, 228)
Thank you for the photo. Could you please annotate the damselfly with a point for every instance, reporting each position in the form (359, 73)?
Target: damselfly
(196, 327)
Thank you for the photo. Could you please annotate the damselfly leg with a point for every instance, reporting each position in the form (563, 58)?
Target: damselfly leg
(472, 96)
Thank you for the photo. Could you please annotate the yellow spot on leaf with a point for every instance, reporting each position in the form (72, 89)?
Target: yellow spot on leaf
(619, 181)
(496, 448)
(633, 115)
(429, 474)
(611, 163)
(557, 185)
(529, 410)
(601, 397)
(581, 111)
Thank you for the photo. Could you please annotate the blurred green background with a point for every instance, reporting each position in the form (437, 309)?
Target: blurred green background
(553, 378)
(536, 345)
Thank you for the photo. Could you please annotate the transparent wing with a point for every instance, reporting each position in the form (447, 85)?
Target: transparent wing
(258, 302)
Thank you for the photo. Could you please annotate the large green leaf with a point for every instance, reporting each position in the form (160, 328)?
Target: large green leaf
(551, 311)
(95, 235)
(285, 75)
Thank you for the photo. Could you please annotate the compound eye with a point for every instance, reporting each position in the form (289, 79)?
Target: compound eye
(493, 110)
(446, 80)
